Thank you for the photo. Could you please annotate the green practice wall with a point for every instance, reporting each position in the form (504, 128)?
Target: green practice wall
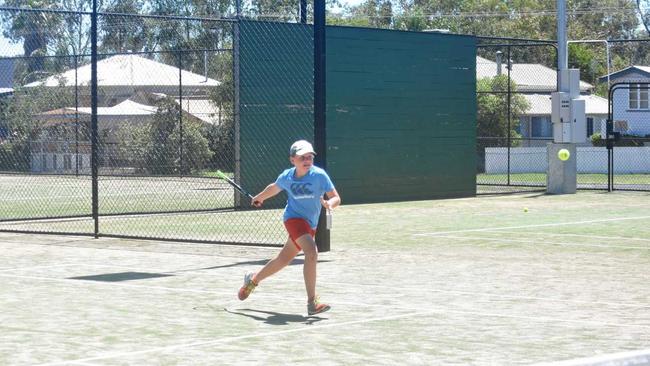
(401, 109)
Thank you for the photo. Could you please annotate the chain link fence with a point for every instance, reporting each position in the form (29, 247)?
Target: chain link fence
(514, 82)
(515, 79)
(167, 119)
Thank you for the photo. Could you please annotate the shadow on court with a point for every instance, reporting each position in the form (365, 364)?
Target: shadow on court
(296, 261)
(275, 318)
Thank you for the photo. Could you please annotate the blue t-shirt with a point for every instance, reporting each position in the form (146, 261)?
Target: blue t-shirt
(304, 193)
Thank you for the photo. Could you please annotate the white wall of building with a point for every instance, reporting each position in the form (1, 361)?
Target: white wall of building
(627, 160)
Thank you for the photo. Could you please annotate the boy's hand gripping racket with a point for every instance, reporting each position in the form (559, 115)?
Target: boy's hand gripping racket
(238, 187)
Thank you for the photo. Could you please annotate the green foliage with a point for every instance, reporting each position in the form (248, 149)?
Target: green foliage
(19, 119)
(492, 106)
(624, 140)
(155, 147)
(597, 140)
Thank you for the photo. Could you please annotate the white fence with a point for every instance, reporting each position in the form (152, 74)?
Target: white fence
(627, 160)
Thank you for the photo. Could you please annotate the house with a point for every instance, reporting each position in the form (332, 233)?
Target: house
(631, 110)
(64, 143)
(128, 88)
(536, 82)
(121, 77)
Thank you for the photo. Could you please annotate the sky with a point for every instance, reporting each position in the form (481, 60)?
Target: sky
(10, 49)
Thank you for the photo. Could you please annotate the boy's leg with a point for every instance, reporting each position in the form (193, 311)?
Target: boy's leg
(309, 269)
(286, 255)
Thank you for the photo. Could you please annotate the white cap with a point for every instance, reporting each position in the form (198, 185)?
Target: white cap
(301, 147)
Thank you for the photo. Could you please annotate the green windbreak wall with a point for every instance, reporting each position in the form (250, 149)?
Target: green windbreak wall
(401, 109)
(401, 117)
(276, 97)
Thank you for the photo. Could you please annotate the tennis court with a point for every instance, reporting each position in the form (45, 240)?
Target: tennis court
(494, 280)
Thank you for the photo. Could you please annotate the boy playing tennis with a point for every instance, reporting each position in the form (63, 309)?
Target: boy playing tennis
(305, 185)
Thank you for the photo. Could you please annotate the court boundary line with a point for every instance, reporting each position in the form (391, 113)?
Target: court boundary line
(435, 233)
(534, 242)
(581, 235)
(325, 326)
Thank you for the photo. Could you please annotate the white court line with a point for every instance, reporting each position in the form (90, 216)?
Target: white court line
(534, 225)
(603, 237)
(135, 249)
(533, 242)
(334, 325)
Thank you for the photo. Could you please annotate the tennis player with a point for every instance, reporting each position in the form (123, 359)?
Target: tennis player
(305, 185)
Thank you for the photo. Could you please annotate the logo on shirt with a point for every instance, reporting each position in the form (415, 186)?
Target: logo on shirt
(301, 190)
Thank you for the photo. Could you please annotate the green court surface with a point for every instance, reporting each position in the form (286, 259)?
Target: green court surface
(495, 280)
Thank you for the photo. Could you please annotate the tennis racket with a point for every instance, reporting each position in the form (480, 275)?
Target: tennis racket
(234, 185)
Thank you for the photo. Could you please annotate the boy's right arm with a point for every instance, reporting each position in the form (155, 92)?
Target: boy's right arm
(268, 192)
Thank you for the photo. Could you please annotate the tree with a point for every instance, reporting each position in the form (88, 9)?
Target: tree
(35, 30)
(19, 118)
(124, 33)
(155, 147)
(492, 99)
(492, 128)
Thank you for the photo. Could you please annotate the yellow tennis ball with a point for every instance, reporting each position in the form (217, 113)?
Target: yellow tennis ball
(525, 209)
(563, 154)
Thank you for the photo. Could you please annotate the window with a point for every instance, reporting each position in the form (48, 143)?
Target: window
(67, 162)
(590, 126)
(638, 96)
(541, 127)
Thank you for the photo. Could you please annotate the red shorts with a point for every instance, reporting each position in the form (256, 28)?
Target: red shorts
(297, 228)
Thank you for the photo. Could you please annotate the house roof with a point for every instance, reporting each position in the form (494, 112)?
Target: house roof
(202, 109)
(540, 104)
(126, 108)
(527, 77)
(631, 73)
(128, 70)
(4, 91)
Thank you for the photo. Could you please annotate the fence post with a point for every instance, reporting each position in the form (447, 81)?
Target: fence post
(93, 118)
(320, 137)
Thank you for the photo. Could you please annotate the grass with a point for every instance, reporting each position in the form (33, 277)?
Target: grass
(540, 178)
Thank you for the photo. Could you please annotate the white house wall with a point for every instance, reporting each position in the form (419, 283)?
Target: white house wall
(627, 160)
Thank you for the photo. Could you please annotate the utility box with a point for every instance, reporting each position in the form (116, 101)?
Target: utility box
(568, 118)
(578, 121)
(561, 116)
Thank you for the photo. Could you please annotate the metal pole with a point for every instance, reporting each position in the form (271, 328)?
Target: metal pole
(180, 110)
(509, 65)
(76, 116)
(303, 11)
(236, 107)
(320, 138)
(562, 60)
(93, 118)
